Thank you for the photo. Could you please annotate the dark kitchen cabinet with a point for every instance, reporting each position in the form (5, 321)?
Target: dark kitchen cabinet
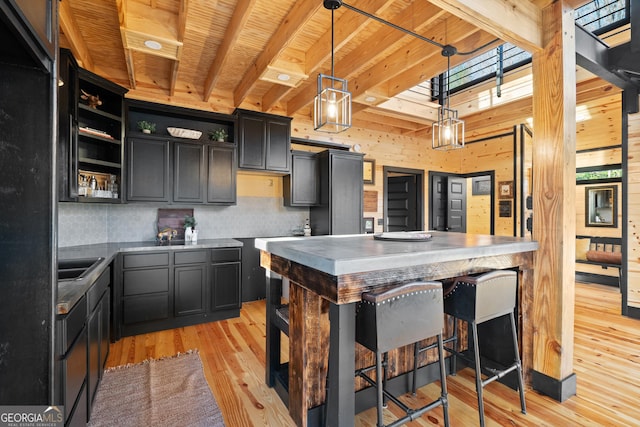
(91, 134)
(221, 178)
(340, 208)
(145, 293)
(71, 339)
(148, 170)
(225, 279)
(300, 187)
(42, 17)
(98, 306)
(28, 139)
(170, 289)
(187, 170)
(190, 275)
(264, 141)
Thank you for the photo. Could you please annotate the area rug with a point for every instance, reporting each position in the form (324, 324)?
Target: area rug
(165, 392)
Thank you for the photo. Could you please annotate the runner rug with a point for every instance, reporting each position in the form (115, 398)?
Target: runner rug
(166, 392)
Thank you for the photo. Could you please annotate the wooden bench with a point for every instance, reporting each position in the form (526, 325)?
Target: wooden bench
(602, 251)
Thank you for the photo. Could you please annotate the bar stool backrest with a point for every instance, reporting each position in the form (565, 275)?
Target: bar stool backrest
(484, 297)
(400, 316)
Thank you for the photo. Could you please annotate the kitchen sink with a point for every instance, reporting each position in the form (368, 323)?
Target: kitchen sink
(76, 269)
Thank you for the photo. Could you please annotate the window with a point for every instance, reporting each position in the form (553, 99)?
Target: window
(598, 16)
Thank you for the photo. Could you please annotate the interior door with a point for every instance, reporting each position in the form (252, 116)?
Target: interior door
(439, 203)
(401, 208)
(456, 204)
(448, 203)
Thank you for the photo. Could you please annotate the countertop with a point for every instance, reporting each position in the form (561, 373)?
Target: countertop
(347, 254)
(71, 291)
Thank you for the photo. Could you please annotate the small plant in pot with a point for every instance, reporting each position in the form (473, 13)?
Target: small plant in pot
(218, 135)
(146, 127)
(190, 233)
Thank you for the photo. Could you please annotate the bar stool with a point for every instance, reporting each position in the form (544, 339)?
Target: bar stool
(477, 300)
(395, 318)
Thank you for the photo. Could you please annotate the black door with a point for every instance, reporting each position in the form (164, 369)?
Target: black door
(439, 203)
(457, 204)
(448, 203)
(401, 208)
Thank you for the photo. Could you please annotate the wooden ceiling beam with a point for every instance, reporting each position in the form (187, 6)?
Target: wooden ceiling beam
(236, 26)
(74, 37)
(412, 54)
(436, 64)
(515, 21)
(128, 54)
(291, 25)
(346, 27)
(181, 26)
(370, 49)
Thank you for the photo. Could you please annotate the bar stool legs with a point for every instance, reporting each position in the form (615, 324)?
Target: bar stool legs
(395, 318)
(477, 300)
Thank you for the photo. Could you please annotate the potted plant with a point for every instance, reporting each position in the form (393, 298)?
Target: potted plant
(190, 234)
(146, 127)
(218, 135)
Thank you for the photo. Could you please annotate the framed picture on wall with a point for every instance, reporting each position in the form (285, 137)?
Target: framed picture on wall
(505, 189)
(504, 208)
(368, 224)
(368, 171)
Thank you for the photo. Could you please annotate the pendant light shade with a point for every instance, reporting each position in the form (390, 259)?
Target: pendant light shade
(332, 107)
(448, 132)
(332, 104)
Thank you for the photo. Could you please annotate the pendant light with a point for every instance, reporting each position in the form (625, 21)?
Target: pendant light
(448, 132)
(332, 105)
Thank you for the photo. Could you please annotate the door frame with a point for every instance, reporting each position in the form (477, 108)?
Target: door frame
(419, 174)
(490, 173)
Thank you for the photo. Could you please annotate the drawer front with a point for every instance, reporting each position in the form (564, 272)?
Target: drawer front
(146, 308)
(71, 325)
(97, 289)
(190, 257)
(75, 372)
(145, 260)
(225, 255)
(137, 282)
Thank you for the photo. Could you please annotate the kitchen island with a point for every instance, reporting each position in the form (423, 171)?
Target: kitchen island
(327, 276)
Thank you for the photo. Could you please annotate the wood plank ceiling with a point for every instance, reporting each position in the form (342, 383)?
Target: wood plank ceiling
(265, 54)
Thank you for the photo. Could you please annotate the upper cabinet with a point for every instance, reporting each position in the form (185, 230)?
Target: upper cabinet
(264, 141)
(300, 187)
(188, 156)
(91, 135)
(37, 24)
(339, 210)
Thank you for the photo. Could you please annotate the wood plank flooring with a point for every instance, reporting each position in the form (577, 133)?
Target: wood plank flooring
(607, 364)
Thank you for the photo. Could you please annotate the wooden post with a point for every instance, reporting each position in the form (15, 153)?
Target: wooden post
(554, 165)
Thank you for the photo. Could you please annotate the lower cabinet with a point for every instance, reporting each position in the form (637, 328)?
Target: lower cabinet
(164, 290)
(83, 346)
(225, 279)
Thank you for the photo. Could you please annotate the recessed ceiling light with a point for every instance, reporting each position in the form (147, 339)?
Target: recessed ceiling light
(284, 77)
(370, 98)
(152, 44)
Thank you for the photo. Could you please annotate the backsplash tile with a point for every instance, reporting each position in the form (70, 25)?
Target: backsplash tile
(84, 223)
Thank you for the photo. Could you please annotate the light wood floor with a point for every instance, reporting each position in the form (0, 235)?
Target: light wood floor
(607, 365)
